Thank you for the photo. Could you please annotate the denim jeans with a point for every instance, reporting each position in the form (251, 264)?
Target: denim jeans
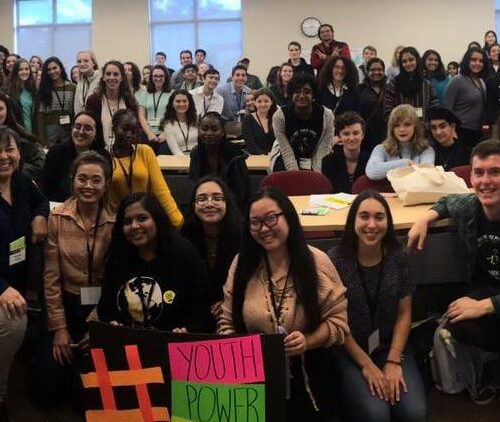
(359, 405)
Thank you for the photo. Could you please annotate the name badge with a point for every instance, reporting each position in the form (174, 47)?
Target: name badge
(154, 123)
(17, 251)
(90, 295)
(64, 120)
(305, 163)
(373, 341)
(419, 112)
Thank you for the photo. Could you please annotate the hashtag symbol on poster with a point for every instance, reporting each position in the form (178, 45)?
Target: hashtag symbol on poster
(135, 376)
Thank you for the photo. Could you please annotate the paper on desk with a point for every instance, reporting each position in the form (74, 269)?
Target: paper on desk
(336, 201)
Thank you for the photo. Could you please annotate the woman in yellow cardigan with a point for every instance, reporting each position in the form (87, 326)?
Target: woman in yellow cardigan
(136, 169)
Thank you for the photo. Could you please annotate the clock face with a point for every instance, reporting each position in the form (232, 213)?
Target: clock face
(310, 27)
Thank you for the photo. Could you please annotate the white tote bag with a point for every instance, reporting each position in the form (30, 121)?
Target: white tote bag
(424, 184)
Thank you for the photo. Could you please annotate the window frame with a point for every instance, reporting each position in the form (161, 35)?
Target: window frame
(196, 21)
(50, 26)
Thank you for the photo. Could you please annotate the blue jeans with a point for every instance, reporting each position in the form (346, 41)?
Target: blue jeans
(359, 405)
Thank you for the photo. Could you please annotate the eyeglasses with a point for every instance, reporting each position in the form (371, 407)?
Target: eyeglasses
(94, 181)
(269, 221)
(86, 128)
(202, 200)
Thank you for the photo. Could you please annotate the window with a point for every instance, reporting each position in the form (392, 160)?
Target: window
(53, 28)
(213, 25)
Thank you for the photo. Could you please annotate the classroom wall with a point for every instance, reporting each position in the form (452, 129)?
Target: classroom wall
(121, 29)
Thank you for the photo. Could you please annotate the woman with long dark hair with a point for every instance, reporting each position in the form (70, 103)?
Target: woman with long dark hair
(213, 225)
(279, 89)
(409, 86)
(278, 284)
(57, 95)
(378, 376)
(21, 87)
(153, 277)
(371, 104)
(466, 95)
(133, 75)
(256, 127)
(338, 85)
(179, 123)
(112, 94)
(435, 73)
(86, 135)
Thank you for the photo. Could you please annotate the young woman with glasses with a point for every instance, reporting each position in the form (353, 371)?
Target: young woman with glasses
(86, 134)
(213, 225)
(278, 284)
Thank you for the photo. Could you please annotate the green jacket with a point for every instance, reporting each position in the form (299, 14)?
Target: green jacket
(463, 209)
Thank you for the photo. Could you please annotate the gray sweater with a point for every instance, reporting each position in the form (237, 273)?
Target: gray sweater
(467, 101)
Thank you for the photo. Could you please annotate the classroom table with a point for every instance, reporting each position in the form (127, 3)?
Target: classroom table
(443, 259)
(403, 217)
(180, 163)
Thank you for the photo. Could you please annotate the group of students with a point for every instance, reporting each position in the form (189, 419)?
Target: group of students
(220, 273)
(118, 249)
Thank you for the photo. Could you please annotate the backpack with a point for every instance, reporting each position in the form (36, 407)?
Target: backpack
(456, 366)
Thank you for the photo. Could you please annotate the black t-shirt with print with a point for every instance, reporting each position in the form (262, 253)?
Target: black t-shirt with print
(487, 271)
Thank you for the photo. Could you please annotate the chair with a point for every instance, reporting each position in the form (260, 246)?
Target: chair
(464, 173)
(298, 182)
(301, 182)
(363, 182)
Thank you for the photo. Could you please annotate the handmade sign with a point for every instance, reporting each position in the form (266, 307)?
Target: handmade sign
(149, 375)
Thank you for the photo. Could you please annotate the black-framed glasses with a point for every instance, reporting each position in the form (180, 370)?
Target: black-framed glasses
(203, 199)
(269, 221)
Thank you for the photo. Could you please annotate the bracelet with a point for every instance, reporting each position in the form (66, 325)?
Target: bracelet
(394, 362)
(396, 348)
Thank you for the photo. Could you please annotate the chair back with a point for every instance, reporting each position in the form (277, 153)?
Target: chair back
(464, 173)
(299, 182)
(363, 182)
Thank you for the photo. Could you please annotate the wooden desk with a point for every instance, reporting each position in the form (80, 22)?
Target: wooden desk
(403, 217)
(181, 162)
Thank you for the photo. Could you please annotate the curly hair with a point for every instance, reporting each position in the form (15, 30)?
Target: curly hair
(351, 78)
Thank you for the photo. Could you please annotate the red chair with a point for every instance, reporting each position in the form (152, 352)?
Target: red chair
(464, 173)
(363, 182)
(298, 182)
(301, 182)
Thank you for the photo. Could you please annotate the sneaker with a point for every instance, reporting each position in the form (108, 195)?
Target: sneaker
(485, 395)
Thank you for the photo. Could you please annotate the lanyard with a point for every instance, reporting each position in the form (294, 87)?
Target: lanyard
(61, 103)
(278, 308)
(341, 93)
(91, 249)
(85, 89)
(130, 175)
(205, 106)
(239, 99)
(184, 135)
(109, 107)
(156, 104)
(372, 302)
(479, 87)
